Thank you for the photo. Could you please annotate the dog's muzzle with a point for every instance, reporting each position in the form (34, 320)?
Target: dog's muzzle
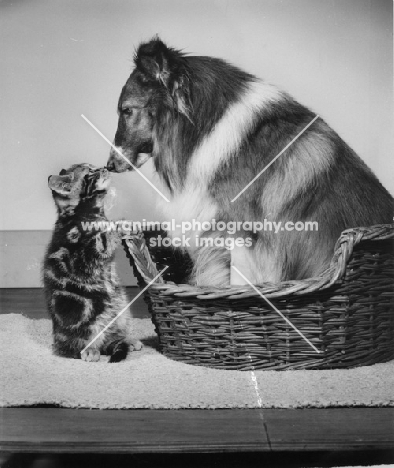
(117, 163)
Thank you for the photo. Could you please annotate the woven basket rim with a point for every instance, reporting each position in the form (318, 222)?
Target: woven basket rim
(343, 250)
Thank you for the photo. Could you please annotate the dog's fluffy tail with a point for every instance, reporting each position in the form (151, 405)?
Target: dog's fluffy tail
(211, 267)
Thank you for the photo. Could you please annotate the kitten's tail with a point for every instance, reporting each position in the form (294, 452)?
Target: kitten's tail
(119, 352)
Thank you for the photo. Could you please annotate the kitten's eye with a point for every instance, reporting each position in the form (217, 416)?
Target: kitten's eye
(127, 111)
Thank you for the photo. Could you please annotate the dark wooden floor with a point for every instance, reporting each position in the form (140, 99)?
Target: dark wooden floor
(307, 437)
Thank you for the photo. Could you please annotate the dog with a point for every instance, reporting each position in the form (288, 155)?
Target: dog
(211, 128)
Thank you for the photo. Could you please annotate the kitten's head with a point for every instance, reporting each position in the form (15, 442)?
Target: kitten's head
(81, 185)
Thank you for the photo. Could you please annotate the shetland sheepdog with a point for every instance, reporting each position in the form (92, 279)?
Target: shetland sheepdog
(211, 128)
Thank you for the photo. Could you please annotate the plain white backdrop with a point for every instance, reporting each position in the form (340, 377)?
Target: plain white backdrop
(63, 59)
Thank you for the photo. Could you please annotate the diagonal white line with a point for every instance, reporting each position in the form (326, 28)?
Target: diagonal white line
(124, 157)
(275, 158)
(276, 310)
(121, 312)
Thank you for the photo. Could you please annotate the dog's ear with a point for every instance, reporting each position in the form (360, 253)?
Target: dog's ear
(166, 66)
(156, 61)
(61, 184)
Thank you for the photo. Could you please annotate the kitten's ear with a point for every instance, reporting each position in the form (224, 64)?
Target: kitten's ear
(61, 184)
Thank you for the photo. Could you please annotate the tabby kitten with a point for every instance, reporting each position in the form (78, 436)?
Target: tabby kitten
(82, 289)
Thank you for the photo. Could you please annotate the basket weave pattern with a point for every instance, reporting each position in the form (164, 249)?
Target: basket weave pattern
(347, 312)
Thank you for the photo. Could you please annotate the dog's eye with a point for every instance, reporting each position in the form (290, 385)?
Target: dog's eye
(127, 110)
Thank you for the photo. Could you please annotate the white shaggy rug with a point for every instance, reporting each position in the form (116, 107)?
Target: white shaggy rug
(30, 375)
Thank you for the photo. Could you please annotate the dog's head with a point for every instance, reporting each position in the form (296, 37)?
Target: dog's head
(156, 86)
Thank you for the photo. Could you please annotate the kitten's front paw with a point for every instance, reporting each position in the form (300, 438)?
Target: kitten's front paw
(135, 345)
(91, 355)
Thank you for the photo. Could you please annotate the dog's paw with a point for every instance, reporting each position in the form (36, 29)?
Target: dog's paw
(90, 355)
(135, 345)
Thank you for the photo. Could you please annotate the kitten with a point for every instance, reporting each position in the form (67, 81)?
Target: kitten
(82, 289)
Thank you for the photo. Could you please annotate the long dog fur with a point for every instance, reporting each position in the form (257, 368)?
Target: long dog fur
(210, 129)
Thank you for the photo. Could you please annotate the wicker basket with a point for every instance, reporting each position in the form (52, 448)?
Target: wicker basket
(347, 313)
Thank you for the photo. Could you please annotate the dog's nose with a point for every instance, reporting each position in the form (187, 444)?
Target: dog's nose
(111, 166)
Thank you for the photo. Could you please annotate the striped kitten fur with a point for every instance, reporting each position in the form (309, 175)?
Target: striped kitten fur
(82, 290)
